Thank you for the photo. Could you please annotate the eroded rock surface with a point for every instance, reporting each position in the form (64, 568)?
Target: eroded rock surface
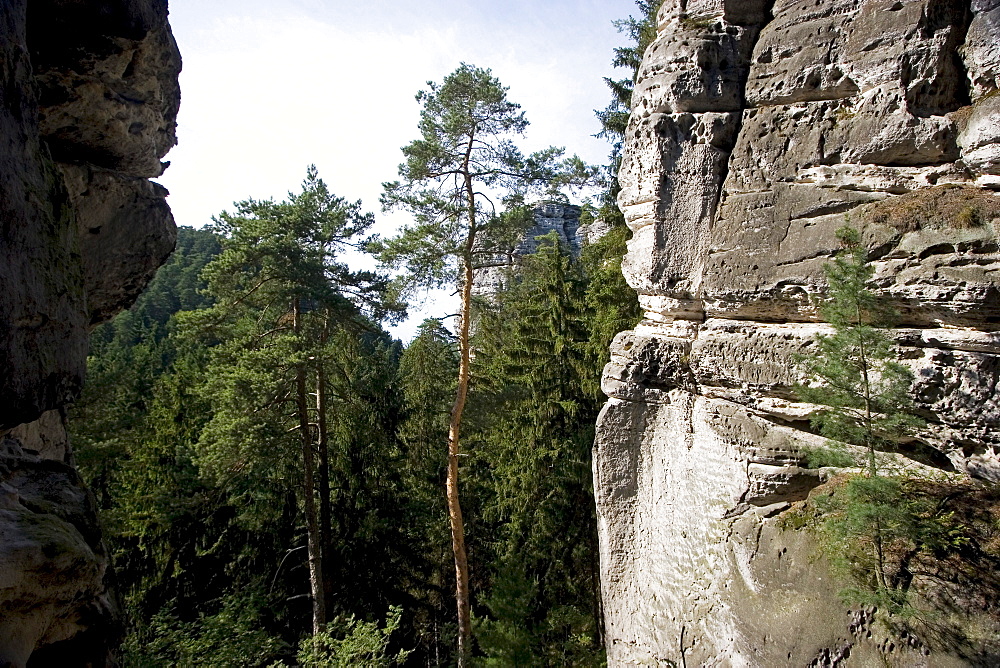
(757, 127)
(88, 109)
(561, 218)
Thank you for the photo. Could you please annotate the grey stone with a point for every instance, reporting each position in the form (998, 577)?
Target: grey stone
(981, 51)
(757, 130)
(547, 217)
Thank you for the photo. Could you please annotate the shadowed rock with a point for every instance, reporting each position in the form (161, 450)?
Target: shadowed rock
(88, 108)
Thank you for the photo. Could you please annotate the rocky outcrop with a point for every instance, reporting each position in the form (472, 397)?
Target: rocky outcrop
(88, 109)
(757, 128)
(546, 217)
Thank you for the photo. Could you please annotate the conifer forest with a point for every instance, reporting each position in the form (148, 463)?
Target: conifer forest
(272, 467)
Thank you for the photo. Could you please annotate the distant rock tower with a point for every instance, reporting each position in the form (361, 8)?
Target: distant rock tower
(559, 217)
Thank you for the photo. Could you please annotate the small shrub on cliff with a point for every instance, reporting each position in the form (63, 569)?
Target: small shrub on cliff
(854, 373)
(872, 526)
(866, 394)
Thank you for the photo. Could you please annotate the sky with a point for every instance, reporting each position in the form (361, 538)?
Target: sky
(269, 87)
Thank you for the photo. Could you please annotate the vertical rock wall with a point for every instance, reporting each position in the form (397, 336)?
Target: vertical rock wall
(88, 102)
(756, 127)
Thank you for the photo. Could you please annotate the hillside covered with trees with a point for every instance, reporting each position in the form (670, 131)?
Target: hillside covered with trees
(271, 465)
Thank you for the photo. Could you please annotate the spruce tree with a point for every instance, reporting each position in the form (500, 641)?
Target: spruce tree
(536, 407)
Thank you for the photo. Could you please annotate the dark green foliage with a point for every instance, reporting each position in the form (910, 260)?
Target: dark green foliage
(941, 547)
(465, 152)
(866, 395)
(202, 497)
(611, 304)
(428, 369)
(820, 456)
(536, 404)
(869, 524)
(126, 357)
(233, 637)
(464, 160)
(188, 433)
(281, 381)
(641, 31)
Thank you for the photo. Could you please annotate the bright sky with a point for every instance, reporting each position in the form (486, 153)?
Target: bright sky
(271, 86)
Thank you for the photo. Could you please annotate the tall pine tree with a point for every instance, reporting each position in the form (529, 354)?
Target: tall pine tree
(465, 151)
(280, 289)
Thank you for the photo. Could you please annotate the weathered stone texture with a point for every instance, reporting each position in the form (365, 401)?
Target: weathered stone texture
(561, 218)
(88, 108)
(757, 127)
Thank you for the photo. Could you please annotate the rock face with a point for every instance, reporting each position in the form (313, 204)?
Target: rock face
(548, 217)
(88, 109)
(756, 127)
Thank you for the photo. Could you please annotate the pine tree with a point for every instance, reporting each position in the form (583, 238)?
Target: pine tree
(465, 153)
(279, 289)
(865, 394)
(865, 390)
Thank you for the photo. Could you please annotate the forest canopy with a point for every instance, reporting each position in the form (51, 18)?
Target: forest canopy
(270, 463)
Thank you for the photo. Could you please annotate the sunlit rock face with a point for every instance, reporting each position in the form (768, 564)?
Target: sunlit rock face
(88, 107)
(757, 129)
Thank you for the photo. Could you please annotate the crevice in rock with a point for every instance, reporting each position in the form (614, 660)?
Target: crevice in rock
(767, 16)
(943, 15)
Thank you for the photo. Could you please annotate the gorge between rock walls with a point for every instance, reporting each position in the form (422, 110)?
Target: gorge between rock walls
(757, 126)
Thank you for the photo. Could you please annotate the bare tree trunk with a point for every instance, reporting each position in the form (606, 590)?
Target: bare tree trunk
(324, 461)
(309, 500)
(454, 430)
(454, 508)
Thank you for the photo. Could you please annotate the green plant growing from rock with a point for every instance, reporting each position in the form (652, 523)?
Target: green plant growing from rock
(865, 391)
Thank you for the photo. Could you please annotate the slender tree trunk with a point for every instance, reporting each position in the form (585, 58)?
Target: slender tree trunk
(324, 462)
(454, 507)
(872, 463)
(454, 431)
(309, 500)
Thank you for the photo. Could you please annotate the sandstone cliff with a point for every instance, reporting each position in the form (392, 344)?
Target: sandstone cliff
(548, 217)
(757, 126)
(88, 101)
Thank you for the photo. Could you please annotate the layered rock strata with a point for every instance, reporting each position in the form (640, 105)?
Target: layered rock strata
(757, 129)
(547, 217)
(88, 108)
